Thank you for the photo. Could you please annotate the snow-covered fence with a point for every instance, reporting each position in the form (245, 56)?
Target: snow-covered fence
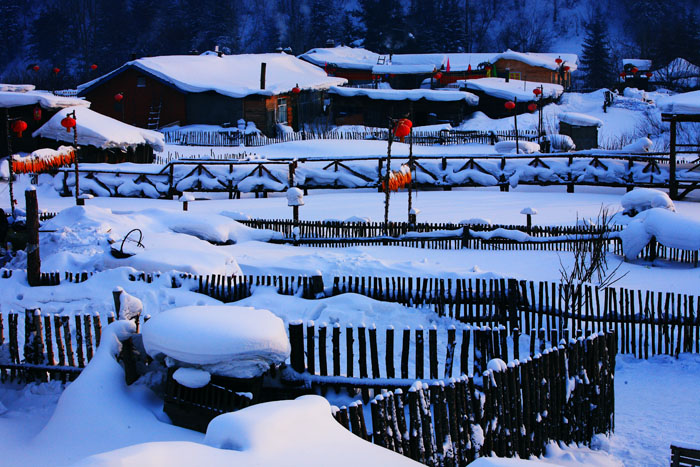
(264, 176)
(564, 394)
(235, 138)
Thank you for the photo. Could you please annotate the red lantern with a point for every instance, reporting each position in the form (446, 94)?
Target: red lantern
(567, 68)
(18, 126)
(296, 89)
(623, 75)
(37, 113)
(634, 70)
(68, 123)
(649, 74)
(118, 97)
(558, 60)
(537, 91)
(93, 67)
(532, 107)
(56, 70)
(509, 105)
(35, 68)
(487, 68)
(437, 75)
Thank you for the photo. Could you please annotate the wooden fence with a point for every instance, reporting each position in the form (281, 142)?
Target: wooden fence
(423, 138)
(564, 394)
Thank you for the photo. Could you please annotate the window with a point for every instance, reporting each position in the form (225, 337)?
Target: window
(282, 110)
(141, 82)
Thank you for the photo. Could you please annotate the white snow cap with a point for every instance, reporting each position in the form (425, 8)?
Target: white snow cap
(523, 147)
(515, 88)
(641, 63)
(231, 75)
(670, 229)
(23, 96)
(562, 142)
(579, 119)
(295, 197)
(496, 364)
(529, 211)
(640, 145)
(548, 61)
(240, 342)
(476, 221)
(407, 94)
(192, 377)
(642, 199)
(98, 130)
(685, 103)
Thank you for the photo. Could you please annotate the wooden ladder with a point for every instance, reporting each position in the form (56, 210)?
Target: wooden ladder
(154, 116)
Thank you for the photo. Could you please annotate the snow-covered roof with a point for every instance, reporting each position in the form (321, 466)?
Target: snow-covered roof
(544, 60)
(362, 59)
(407, 94)
(21, 95)
(230, 75)
(679, 72)
(685, 103)
(641, 63)
(579, 119)
(98, 130)
(522, 90)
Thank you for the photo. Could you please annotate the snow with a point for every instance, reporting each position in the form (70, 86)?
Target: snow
(192, 377)
(16, 87)
(235, 76)
(640, 63)
(513, 89)
(529, 211)
(130, 307)
(579, 119)
(407, 94)
(98, 130)
(234, 341)
(342, 56)
(670, 229)
(637, 146)
(540, 60)
(43, 98)
(685, 103)
(562, 142)
(524, 147)
(295, 197)
(641, 199)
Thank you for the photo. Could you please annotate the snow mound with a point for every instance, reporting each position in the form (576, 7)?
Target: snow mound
(192, 377)
(642, 199)
(524, 147)
(640, 145)
(685, 103)
(670, 229)
(562, 142)
(46, 99)
(240, 342)
(579, 119)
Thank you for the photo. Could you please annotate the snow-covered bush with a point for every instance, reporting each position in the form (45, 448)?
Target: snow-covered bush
(642, 199)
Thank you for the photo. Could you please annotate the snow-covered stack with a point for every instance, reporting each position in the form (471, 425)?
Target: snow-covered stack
(669, 228)
(643, 199)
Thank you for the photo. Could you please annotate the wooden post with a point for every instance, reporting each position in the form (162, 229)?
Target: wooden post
(9, 162)
(33, 258)
(515, 119)
(672, 183)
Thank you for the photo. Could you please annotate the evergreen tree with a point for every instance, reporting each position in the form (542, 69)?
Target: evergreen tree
(322, 23)
(595, 58)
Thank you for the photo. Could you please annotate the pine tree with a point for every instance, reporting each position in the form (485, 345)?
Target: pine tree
(595, 58)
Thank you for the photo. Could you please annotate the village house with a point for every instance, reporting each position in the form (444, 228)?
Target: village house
(636, 73)
(274, 91)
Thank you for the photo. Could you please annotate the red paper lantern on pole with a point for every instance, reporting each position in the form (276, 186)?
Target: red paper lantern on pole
(649, 74)
(118, 97)
(18, 126)
(37, 113)
(623, 75)
(68, 123)
(567, 68)
(403, 128)
(296, 89)
(93, 67)
(558, 60)
(35, 68)
(56, 70)
(634, 70)
(437, 75)
(509, 105)
(532, 107)
(537, 91)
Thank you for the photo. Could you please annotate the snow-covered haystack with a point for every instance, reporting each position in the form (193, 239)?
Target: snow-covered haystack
(562, 142)
(233, 341)
(579, 119)
(669, 228)
(524, 147)
(640, 145)
(642, 199)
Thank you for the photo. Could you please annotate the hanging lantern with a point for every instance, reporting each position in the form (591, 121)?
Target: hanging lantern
(634, 70)
(509, 105)
(35, 68)
(68, 123)
(93, 67)
(56, 70)
(649, 74)
(537, 91)
(437, 75)
(532, 107)
(469, 68)
(623, 75)
(558, 61)
(37, 113)
(118, 97)
(567, 68)
(296, 89)
(18, 126)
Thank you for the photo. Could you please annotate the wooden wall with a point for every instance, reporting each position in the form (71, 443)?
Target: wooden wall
(531, 73)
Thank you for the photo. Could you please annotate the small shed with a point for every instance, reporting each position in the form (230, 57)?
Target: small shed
(372, 107)
(101, 138)
(582, 128)
(636, 73)
(32, 106)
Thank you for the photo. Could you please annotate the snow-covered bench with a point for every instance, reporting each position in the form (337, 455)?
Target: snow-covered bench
(685, 456)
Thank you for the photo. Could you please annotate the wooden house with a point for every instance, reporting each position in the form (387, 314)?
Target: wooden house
(213, 89)
(33, 107)
(373, 107)
(100, 138)
(493, 93)
(582, 128)
(540, 67)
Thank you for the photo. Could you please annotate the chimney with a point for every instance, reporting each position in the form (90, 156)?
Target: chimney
(507, 75)
(218, 51)
(263, 67)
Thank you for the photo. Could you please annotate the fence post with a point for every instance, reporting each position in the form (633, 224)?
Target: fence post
(296, 339)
